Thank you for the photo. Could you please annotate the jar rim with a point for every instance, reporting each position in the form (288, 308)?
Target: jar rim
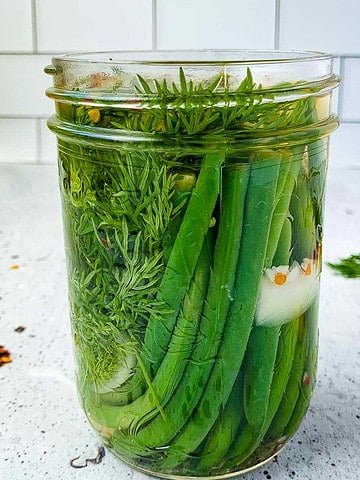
(147, 80)
(113, 75)
(204, 57)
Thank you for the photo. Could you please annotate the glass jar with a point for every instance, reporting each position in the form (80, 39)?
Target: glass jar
(192, 186)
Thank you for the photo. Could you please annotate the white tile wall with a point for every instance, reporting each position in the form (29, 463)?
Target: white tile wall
(326, 25)
(15, 25)
(18, 140)
(215, 24)
(93, 25)
(351, 89)
(22, 85)
(30, 30)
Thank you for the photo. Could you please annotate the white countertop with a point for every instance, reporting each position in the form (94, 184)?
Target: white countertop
(41, 424)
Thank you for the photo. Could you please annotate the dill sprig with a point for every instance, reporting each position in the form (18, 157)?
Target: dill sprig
(186, 107)
(347, 267)
(116, 218)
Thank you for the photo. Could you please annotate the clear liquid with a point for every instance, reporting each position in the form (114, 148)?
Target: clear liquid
(193, 288)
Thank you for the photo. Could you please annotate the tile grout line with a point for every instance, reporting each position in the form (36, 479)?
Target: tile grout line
(277, 25)
(350, 122)
(154, 42)
(7, 53)
(154, 32)
(21, 162)
(15, 116)
(348, 55)
(341, 87)
(27, 53)
(34, 26)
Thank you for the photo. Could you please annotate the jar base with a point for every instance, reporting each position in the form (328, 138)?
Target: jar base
(212, 477)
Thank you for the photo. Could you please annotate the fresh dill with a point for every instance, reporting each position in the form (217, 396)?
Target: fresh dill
(347, 267)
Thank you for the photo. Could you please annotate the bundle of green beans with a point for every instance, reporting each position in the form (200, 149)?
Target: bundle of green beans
(193, 271)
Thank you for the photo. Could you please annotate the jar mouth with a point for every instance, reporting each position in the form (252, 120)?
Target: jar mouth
(144, 84)
(194, 57)
(115, 76)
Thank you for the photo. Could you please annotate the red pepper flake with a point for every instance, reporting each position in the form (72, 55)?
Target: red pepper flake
(5, 356)
(15, 266)
(96, 80)
(306, 380)
(105, 242)
(95, 461)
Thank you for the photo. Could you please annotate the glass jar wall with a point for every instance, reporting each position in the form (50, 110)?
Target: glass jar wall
(192, 186)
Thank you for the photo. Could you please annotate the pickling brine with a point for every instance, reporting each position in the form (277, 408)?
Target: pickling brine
(193, 191)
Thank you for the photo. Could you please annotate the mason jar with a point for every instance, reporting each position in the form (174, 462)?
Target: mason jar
(192, 187)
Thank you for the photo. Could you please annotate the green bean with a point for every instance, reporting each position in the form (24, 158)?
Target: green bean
(265, 377)
(309, 375)
(263, 339)
(318, 156)
(285, 165)
(260, 361)
(282, 206)
(249, 438)
(258, 210)
(263, 343)
(285, 355)
(192, 231)
(317, 164)
(302, 210)
(179, 270)
(182, 259)
(183, 185)
(178, 354)
(163, 428)
(224, 430)
(291, 394)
